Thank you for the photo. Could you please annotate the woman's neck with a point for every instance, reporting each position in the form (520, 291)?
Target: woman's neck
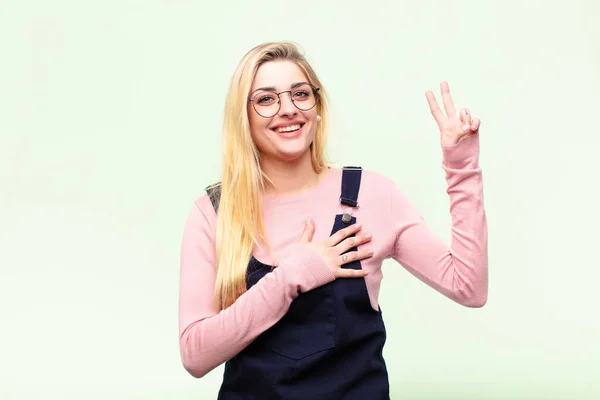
(289, 177)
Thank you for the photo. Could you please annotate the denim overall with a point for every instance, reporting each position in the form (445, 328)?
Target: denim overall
(329, 344)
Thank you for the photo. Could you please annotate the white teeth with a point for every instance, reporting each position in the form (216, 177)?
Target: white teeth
(289, 128)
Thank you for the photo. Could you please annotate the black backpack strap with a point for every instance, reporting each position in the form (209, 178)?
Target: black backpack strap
(214, 194)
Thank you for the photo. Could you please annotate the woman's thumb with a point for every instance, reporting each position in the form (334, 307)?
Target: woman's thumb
(309, 229)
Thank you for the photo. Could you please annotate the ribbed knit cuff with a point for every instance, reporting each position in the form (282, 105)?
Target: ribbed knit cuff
(304, 267)
(465, 152)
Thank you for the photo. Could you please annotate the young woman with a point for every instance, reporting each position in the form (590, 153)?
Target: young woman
(281, 259)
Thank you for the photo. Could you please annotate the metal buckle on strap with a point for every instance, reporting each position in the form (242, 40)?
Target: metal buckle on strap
(352, 202)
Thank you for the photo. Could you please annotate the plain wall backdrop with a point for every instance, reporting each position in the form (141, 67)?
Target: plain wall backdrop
(110, 127)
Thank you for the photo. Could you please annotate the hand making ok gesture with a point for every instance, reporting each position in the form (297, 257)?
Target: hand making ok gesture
(453, 127)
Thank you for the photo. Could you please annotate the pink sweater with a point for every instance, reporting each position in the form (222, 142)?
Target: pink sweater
(459, 271)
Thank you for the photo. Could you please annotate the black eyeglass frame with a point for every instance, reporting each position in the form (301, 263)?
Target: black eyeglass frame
(315, 93)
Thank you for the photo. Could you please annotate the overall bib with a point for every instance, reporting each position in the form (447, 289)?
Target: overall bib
(328, 346)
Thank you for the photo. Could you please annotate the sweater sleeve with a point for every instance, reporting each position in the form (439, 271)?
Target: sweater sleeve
(209, 337)
(460, 272)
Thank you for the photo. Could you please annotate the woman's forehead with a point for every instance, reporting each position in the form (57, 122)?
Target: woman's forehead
(278, 75)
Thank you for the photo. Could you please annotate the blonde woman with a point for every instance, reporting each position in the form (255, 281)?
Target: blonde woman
(281, 259)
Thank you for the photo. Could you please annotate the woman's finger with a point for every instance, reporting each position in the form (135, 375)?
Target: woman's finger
(447, 99)
(350, 273)
(475, 124)
(340, 235)
(435, 109)
(309, 230)
(351, 242)
(352, 256)
(465, 118)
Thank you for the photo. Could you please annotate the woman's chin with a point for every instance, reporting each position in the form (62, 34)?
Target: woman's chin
(291, 152)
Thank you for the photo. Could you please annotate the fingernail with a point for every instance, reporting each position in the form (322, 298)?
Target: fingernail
(368, 235)
(308, 222)
(358, 226)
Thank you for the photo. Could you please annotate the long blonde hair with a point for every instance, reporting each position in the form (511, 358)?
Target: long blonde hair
(239, 222)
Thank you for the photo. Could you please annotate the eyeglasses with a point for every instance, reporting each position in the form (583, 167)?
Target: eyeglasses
(267, 103)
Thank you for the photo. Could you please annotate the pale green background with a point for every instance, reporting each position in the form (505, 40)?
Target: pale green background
(110, 116)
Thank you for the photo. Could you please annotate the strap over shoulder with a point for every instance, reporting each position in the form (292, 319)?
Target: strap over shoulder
(351, 177)
(214, 194)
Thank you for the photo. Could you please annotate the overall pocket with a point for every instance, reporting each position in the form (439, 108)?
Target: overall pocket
(307, 328)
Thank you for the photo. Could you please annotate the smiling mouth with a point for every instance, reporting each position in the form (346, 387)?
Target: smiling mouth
(291, 128)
